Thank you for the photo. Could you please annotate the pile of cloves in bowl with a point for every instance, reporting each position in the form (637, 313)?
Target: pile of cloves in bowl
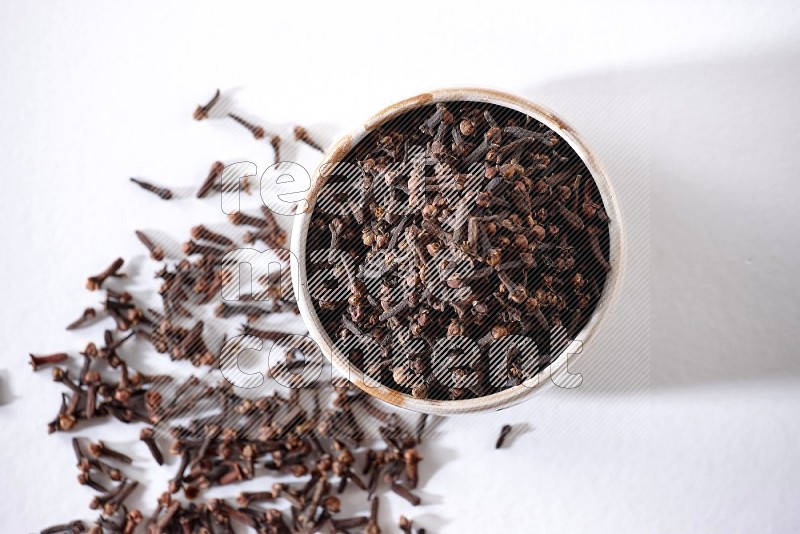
(466, 225)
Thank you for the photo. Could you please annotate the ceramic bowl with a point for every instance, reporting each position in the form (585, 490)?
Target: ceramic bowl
(513, 394)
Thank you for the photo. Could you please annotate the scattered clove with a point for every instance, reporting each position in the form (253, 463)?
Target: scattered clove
(95, 282)
(504, 432)
(162, 192)
(302, 135)
(257, 131)
(202, 112)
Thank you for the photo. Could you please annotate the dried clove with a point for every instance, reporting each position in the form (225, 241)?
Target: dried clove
(95, 282)
(37, 362)
(216, 170)
(156, 252)
(202, 112)
(504, 432)
(257, 131)
(302, 135)
(162, 192)
(147, 436)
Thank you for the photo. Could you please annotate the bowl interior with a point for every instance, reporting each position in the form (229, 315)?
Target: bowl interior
(505, 397)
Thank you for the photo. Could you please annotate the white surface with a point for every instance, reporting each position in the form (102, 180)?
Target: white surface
(697, 101)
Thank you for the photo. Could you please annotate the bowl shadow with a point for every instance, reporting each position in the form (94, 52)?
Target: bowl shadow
(698, 153)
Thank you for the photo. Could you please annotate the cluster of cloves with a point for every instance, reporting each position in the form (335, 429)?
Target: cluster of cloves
(314, 434)
(231, 439)
(129, 399)
(467, 220)
(265, 230)
(292, 436)
(92, 468)
(197, 280)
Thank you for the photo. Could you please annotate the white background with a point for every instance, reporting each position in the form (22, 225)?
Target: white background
(692, 107)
